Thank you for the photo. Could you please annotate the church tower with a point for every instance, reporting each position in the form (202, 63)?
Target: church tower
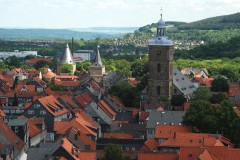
(66, 58)
(97, 69)
(160, 82)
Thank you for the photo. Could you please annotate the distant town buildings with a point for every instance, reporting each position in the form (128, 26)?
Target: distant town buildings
(17, 53)
(85, 55)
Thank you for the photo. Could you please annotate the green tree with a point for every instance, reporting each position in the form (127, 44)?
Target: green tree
(217, 98)
(41, 64)
(220, 85)
(178, 100)
(83, 66)
(114, 153)
(202, 93)
(129, 95)
(13, 61)
(67, 68)
(201, 115)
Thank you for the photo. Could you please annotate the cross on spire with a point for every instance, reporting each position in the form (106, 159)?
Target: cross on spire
(161, 12)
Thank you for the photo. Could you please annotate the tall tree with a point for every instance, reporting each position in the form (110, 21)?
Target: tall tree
(220, 85)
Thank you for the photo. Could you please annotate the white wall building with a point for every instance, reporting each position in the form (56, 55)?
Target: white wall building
(17, 53)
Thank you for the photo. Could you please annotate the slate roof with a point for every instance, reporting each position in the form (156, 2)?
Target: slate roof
(17, 122)
(165, 118)
(183, 84)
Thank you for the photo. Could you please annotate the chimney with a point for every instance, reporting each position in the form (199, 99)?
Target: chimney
(72, 44)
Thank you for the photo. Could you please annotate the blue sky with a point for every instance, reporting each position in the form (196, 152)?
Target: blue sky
(107, 13)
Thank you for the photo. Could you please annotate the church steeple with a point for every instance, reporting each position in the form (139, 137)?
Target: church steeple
(161, 29)
(161, 39)
(98, 59)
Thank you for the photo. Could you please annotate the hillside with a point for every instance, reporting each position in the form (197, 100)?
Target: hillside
(51, 34)
(231, 21)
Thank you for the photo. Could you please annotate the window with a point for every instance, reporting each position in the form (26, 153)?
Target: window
(159, 52)
(30, 112)
(16, 129)
(158, 67)
(158, 90)
(42, 112)
(175, 91)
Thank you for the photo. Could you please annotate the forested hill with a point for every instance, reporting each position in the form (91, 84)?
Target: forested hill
(231, 21)
(230, 49)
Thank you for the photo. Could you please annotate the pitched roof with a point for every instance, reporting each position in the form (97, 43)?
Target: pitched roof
(68, 146)
(7, 136)
(70, 83)
(106, 108)
(150, 144)
(209, 153)
(157, 156)
(83, 155)
(165, 118)
(168, 131)
(33, 128)
(118, 135)
(143, 116)
(183, 84)
(29, 88)
(52, 105)
(189, 139)
(35, 60)
(2, 114)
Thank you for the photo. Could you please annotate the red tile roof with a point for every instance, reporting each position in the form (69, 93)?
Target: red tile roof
(52, 105)
(84, 138)
(150, 145)
(186, 106)
(209, 153)
(106, 109)
(68, 146)
(187, 140)
(167, 131)
(234, 89)
(118, 135)
(29, 88)
(2, 114)
(157, 156)
(33, 129)
(11, 137)
(83, 155)
(80, 99)
(143, 116)
(61, 127)
(35, 60)
(49, 92)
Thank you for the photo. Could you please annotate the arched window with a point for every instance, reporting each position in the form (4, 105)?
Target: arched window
(158, 67)
(158, 90)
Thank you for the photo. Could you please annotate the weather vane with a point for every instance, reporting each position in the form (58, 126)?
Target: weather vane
(161, 12)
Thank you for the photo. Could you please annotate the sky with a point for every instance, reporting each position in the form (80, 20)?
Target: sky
(107, 13)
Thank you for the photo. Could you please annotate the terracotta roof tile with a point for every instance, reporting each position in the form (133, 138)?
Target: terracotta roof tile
(143, 116)
(80, 99)
(52, 105)
(61, 127)
(87, 155)
(186, 140)
(157, 156)
(106, 109)
(68, 146)
(29, 88)
(118, 135)
(33, 129)
(2, 114)
(167, 131)
(151, 144)
(35, 60)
